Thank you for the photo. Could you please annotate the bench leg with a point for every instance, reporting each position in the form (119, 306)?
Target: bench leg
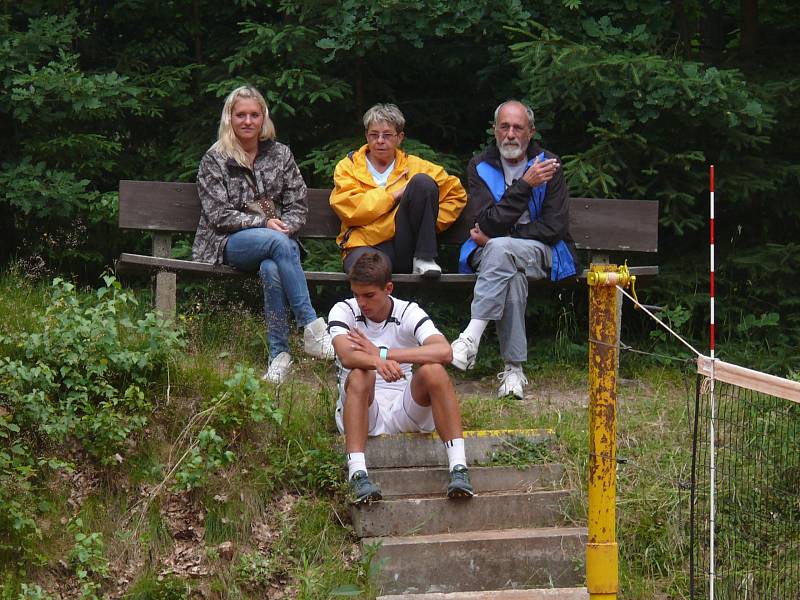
(166, 292)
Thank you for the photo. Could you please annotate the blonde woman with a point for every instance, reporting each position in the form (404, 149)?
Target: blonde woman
(253, 204)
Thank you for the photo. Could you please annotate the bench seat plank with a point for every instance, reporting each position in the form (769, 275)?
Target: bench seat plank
(128, 263)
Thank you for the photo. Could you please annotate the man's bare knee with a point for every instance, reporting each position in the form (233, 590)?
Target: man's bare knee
(360, 382)
(432, 376)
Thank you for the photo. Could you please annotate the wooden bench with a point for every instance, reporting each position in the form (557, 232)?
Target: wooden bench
(163, 208)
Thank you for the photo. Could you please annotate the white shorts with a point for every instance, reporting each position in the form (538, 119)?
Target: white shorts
(392, 411)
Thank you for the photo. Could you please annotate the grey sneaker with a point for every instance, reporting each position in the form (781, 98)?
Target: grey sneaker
(465, 349)
(511, 382)
(362, 489)
(459, 486)
(317, 341)
(279, 368)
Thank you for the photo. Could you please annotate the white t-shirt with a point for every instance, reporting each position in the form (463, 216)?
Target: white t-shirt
(407, 326)
(380, 178)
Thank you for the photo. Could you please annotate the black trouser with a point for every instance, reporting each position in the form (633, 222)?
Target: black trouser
(414, 227)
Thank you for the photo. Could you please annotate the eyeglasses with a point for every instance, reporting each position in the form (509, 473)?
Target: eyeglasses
(505, 128)
(374, 137)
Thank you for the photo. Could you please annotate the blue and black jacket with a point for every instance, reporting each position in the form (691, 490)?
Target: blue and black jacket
(499, 208)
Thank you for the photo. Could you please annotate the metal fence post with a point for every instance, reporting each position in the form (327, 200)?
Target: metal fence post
(605, 310)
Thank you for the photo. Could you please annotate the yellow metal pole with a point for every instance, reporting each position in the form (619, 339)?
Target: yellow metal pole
(602, 560)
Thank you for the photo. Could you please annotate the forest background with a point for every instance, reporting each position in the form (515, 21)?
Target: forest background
(637, 97)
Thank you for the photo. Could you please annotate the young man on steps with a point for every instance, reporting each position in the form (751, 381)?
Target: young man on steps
(377, 338)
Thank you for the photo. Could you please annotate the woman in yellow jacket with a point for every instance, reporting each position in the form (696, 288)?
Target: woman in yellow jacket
(391, 201)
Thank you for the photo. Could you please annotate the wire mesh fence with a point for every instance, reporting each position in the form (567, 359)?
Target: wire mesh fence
(757, 487)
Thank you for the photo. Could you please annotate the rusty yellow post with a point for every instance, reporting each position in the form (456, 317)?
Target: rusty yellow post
(605, 309)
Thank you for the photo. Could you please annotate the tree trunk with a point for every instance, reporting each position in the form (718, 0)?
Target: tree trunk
(711, 34)
(359, 104)
(684, 45)
(748, 36)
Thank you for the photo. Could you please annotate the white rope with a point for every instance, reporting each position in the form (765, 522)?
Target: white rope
(660, 322)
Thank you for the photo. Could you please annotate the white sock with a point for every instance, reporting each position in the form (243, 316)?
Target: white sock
(356, 461)
(455, 453)
(514, 366)
(475, 329)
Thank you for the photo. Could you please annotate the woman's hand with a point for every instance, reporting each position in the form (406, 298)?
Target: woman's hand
(278, 225)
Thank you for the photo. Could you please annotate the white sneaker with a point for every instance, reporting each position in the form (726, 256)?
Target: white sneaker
(511, 382)
(465, 349)
(317, 341)
(279, 368)
(426, 268)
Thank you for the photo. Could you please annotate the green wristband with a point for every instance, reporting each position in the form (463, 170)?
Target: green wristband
(384, 352)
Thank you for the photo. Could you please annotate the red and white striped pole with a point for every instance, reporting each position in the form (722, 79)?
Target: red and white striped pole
(711, 430)
(711, 231)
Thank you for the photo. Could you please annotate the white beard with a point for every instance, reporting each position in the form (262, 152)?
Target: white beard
(511, 151)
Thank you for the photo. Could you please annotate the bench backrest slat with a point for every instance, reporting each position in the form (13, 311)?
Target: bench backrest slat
(596, 224)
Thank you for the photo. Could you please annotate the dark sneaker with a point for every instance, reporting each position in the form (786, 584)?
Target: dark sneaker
(362, 489)
(459, 486)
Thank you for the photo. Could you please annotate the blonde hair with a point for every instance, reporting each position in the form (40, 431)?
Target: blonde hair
(227, 143)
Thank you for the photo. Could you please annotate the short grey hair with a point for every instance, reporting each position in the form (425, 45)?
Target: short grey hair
(528, 111)
(386, 113)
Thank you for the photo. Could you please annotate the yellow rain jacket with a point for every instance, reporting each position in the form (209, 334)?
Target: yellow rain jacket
(367, 211)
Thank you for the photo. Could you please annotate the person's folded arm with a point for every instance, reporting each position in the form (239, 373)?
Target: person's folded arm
(215, 203)
(435, 349)
(495, 219)
(354, 205)
(294, 196)
(355, 351)
(553, 223)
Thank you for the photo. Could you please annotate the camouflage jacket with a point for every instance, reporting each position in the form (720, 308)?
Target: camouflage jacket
(225, 191)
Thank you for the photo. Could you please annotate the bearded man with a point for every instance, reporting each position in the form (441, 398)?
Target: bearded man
(521, 232)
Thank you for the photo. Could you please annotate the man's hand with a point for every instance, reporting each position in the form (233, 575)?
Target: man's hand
(389, 369)
(478, 236)
(541, 172)
(278, 225)
(358, 341)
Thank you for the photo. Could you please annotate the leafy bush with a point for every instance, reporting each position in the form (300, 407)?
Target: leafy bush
(243, 401)
(81, 372)
(88, 559)
(207, 456)
(84, 369)
(19, 471)
(33, 592)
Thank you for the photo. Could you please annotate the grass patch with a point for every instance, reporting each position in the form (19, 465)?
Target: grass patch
(522, 453)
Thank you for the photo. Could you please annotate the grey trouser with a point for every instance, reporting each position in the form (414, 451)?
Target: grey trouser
(501, 290)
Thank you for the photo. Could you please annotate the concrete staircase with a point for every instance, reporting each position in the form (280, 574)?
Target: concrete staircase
(508, 542)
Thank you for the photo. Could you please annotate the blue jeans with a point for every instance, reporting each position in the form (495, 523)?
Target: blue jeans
(277, 258)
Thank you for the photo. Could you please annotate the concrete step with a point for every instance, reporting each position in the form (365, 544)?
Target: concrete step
(410, 516)
(425, 481)
(480, 561)
(426, 449)
(540, 594)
